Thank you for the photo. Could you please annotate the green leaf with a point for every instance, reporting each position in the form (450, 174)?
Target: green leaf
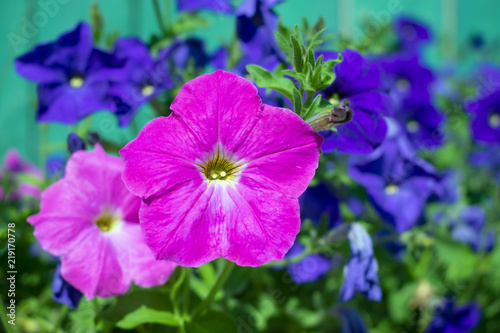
(458, 258)
(212, 321)
(146, 315)
(207, 273)
(264, 79)
(398, 302)
(315, 37)
(283, 43)
(298, 61)
(298, 34)
(312, 109)
(297, 101)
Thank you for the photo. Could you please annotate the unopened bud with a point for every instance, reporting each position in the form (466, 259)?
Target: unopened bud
(325, 120)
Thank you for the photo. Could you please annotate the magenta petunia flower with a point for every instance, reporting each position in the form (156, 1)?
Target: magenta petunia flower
(221, 176)
(91, 221)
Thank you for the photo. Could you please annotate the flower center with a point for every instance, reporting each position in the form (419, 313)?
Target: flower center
(494, 120)
(220, 167)
(147, 90)
(108, 221)
(391, 189)
(76, 81)
(412, 126)
(403, 85)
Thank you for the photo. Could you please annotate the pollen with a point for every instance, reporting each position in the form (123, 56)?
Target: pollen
(391, 189)
(220, 166)
(147, 90)
(403, 85)
(412, 126)
(494, 120)
(107, 221)
(76, 81)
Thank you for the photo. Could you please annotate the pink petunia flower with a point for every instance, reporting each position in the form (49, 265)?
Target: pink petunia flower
(220, 176)
(91, 220)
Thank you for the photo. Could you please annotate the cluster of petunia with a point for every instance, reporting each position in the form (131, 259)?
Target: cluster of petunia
(228, 172)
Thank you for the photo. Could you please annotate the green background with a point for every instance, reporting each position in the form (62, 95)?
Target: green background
(452, 21)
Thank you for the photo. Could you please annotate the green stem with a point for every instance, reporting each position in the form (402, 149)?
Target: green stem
(3, 313)
(185, 303)
(60, 319)
(310, 95)
(159, 18)
(218, 284)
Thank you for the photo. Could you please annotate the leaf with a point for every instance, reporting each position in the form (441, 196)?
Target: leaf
(298, 61)
(146, 315)
(399, 300)
(298, 34)
(264, 79)
(316, 36)
(212, 321)
(207, 273)
(314, 106)
(283, 43)
(297, 101)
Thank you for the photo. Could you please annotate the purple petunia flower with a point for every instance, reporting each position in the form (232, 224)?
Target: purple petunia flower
(146, 77)
(63, 292)
(91, 221)
(452, 318)
(255, 26)
(219, 6)
(221, 176)
(318, 200)
(73, 77)
(360, 273)
(469, 229)
(486, 118)
(411, 34)
(308, 269)
(361, 84)
(393, 176)
(189, 51)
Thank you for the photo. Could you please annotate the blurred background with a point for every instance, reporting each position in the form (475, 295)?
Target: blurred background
(456, 24)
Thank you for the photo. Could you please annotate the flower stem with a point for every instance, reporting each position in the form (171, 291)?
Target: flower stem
(185, 303)
(159, 17)
(218, 284)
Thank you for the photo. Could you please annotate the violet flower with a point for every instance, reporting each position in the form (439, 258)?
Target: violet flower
(453, 318)
(218, 6)
(63, 292)
(73, 77)
(360, 83)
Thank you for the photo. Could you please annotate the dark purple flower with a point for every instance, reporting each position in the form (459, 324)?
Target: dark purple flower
(452, 318)
(146, 77)
(63, 292)
(411, 33)
(73, 77)
(317, 201)
(469, 229)
(486, 156)
(360, 273)
(394, 176)
(308, 269)
(255, 25)
(486, 118)
(361, 84)
(220, 6)
(55, 165)
(75, 143)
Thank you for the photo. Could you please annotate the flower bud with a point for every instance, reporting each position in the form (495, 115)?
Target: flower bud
(325, 120)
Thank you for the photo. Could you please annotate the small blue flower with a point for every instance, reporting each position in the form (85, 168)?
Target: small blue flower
(360, 273)
(63, 292)
(310, 268)
(452, 318)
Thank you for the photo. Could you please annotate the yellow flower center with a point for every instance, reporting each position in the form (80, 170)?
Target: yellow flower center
(76, 81)
(108, 221)
(392, 189)
(147, 90)
(412, 126)
(494, 120)
(220, 167)
(403, 85)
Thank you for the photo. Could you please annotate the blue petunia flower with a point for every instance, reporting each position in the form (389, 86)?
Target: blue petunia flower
(146, 76)
(394, 176)
(411, 33)
(63, 292)
(360, 83)
(255, 26)
(360, 273)
(310, 268)
(411, 85)
(73, 77)
(219, 6)
(452, 318)
(485, 112)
